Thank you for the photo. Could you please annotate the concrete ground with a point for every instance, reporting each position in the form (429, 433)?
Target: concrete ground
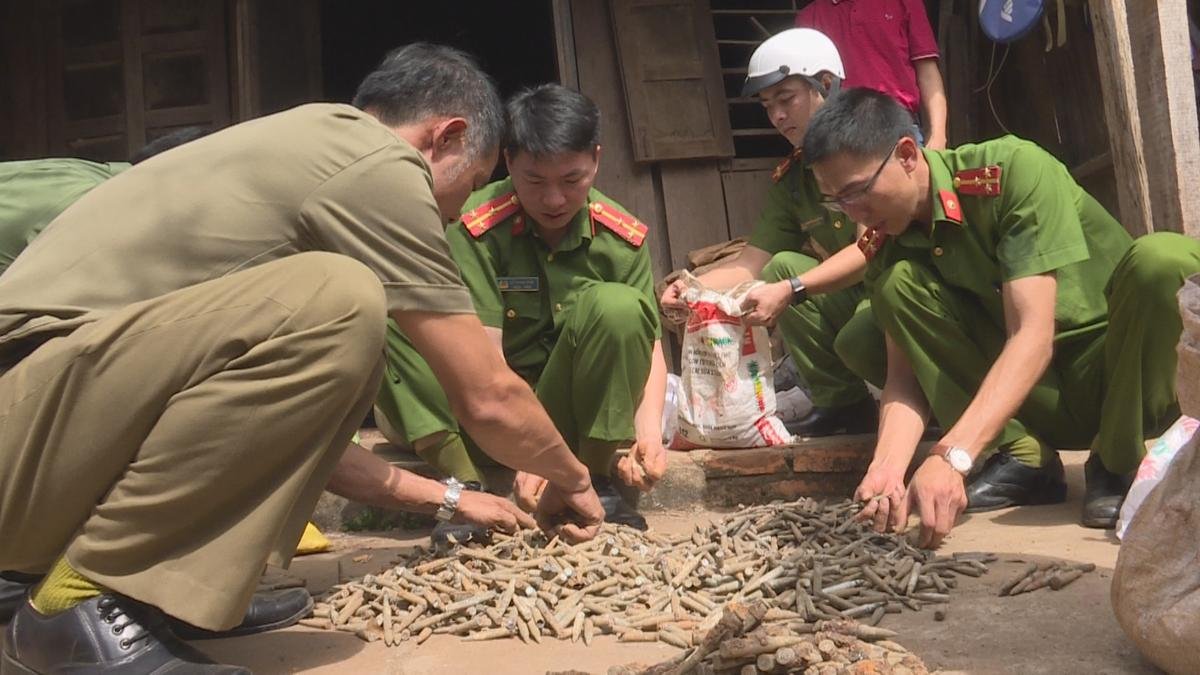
(1068, 631)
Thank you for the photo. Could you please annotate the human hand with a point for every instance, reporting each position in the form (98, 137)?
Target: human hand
(672, 297)
(492, 512)
(644, 465)
(883, 491)
(936, 143)
(939, 494)
(527, 490)
(574, 516)
(763, 304)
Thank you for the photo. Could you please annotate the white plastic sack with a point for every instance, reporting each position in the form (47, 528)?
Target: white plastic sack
(728, 396)
(1154, 466)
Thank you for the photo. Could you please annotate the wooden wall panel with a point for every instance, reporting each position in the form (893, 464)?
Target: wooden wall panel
(631, 184)
(745, 196)
(695, 206)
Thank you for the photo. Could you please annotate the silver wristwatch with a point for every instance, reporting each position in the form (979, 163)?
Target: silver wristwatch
(958, 458)
(449, 500)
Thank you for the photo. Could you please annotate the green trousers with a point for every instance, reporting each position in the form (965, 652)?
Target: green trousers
(1108, 387)
(833, 337)
(590, 385)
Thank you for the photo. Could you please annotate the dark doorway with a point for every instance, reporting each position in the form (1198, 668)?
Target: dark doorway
(514, 41)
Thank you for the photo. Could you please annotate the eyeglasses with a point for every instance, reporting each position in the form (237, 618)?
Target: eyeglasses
(840, 203)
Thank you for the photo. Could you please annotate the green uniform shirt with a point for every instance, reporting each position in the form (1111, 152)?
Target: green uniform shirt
(319, 177)
(794, 220)
(34, 192)
(524, 288)
(1038, 221)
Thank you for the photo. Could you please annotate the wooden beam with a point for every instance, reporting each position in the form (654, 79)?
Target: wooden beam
(1161, 52)
(1115, 60)
(564, 44)
(245, 85)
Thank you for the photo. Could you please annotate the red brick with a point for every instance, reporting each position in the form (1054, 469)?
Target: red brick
(763, 489)
(752, 462)
(832, 458)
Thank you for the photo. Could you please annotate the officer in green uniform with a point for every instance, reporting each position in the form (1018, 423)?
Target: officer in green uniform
(561, 280)
(828, 330)
(33, 192)
(1015, 307)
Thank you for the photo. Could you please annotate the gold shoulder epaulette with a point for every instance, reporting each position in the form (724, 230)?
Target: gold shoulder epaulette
(625, 226)
(786, 165)
(984, 181)
(490, 214)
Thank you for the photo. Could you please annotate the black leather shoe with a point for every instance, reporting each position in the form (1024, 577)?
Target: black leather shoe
(1104, 495)
(446, 536)
(1005, 482)
(856, 418)
(107, 634)
(616, 509)
(268, 610)
(13, 587)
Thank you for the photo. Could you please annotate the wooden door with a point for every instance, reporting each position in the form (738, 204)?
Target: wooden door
(123, 72)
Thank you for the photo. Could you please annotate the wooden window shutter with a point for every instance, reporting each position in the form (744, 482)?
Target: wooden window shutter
(673, 86)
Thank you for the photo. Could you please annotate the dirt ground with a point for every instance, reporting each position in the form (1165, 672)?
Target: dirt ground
(1069, 631)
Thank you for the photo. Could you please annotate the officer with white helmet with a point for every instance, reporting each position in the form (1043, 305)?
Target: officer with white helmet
(806, 250)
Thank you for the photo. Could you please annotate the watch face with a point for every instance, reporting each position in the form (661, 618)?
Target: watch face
(959, 459)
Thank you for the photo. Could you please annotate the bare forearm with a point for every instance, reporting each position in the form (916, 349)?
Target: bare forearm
(933, 97)
(511, 426)
(903, 414)
(362, 477)
(493, 404)
(842, 270)
(647, 421)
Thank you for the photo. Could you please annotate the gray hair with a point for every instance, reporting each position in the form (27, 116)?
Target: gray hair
(422, 80)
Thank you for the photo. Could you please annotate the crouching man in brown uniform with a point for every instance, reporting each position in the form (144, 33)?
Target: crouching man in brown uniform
(186, 351)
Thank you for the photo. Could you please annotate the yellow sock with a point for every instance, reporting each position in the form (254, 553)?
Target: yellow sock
(63, 588)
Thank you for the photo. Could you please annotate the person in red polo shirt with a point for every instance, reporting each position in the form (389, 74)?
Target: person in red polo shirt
(888, 46)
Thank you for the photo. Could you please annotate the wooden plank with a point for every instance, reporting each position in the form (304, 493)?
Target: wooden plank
(564, 44)
(695, 207)
(1167, 110)
(670, 67)
(245, 83)
(135, 99)
(216, 50)
(1114, 57)
(631, 184)
(745, 197)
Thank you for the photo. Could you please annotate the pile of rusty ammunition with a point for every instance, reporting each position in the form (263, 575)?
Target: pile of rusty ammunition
(745, 642)
(808, 561)
(1053, 575)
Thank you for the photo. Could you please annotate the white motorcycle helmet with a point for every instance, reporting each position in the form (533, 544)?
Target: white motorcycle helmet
(796, 51)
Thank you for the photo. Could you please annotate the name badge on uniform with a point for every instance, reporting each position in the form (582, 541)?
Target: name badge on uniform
(518, 283)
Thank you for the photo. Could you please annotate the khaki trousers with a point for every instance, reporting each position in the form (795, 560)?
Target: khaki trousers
(174, 447)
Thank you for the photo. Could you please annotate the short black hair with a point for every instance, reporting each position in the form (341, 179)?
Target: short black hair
(550, 119)
(856, 121)
(422, 79)
(167, 141)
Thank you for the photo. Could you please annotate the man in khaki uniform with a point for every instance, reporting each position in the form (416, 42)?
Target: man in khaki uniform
(179, 384)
